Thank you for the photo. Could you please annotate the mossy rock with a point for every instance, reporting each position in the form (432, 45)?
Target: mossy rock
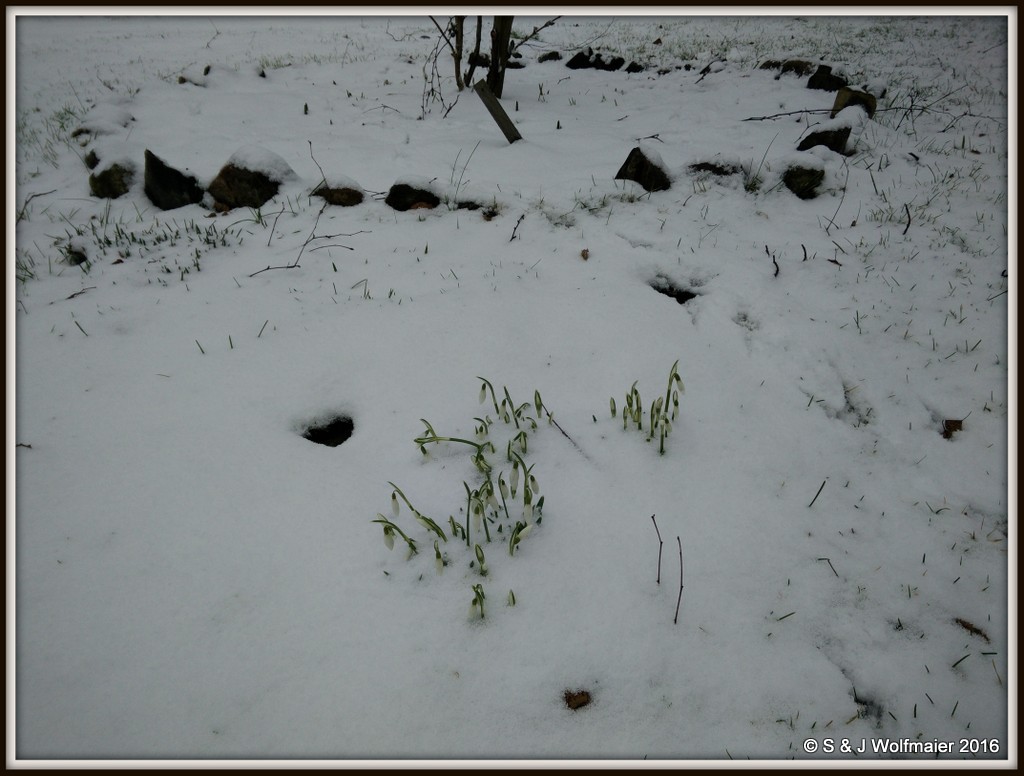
(343, 196)
(803, 181)
(846, 97)
(797, 67)
(236, 186)
(113, 181)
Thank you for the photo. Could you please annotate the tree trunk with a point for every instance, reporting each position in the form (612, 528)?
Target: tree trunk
(501, 31)
(458, 23)
(475, 56)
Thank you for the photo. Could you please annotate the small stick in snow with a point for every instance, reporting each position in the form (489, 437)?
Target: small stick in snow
(680, 599)
(817, 494)
(510, 239)
(908, 217)
(660, 544)
(829, 561)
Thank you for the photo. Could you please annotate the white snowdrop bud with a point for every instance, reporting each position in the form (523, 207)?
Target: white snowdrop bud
(525, 531)
(394, 504)
(515, 477)
(389, 538)
(483, 392)
(503, 487)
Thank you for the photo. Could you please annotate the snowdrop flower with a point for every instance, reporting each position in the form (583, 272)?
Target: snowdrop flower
(502, 487)
(389, 538)
(394, 504)
(483, 392)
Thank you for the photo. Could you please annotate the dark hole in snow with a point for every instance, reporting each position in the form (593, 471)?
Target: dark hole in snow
(663, 285)
(331, 432)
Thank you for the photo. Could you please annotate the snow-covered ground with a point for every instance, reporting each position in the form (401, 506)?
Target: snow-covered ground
(194, 579)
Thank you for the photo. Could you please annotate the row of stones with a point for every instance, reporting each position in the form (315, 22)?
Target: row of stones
(237, 185)
(802, 180)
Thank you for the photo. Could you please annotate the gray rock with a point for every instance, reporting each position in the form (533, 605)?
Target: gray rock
(639, 168)
(824, 80)
(168, 188)
(833, 139)
(402, 196)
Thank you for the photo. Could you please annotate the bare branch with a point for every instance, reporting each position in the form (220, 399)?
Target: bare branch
(532, 35)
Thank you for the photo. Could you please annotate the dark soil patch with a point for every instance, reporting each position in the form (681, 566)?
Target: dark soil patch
(331, 432)
(663, 285)
(715, 168)
(577, 699)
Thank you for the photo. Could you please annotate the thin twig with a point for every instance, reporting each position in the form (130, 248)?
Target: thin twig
(817, 494)
(31, 197)
(332, 245)
(680, 599)
(832, 221)
(908, 217)
(78, 293)
(273, 226)
(660, 544)
(323, 175)
(827, 560)
(268, 267)
(533, 34)
(510, 239)
(787, 113)
(450, 45)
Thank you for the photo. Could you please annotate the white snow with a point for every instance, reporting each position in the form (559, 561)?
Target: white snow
(194, 579)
